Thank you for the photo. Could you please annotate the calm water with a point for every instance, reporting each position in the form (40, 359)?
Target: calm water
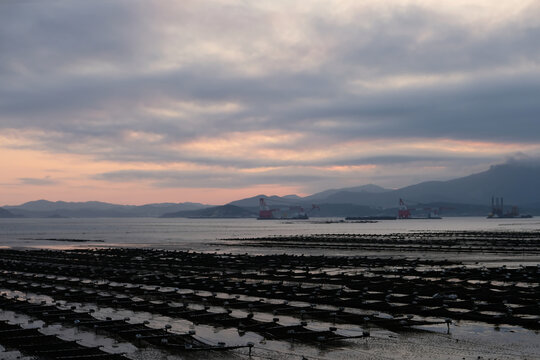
(201, 234)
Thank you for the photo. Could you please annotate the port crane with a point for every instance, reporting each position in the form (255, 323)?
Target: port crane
(404, 211)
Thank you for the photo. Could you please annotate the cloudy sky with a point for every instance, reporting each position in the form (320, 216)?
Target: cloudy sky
(139, 101)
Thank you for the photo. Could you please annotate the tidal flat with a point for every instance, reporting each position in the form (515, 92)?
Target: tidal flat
(414, 295)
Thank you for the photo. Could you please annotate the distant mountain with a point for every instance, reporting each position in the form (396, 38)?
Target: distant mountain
(45, 205)
(6, 214)
(253, 202)
(332, 196)
(292, 197)
(516, 182)
(225, 211)
(60, 209)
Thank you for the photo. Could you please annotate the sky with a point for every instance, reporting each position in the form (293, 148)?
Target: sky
(137, 101)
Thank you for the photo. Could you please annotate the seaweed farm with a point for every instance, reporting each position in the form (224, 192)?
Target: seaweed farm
(134, 303)
(479, 242)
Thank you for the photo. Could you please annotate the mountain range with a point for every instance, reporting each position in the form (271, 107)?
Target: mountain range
(89, 209)
(6, 214)
(471, 195)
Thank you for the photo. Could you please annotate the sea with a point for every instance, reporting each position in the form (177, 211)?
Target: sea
(208, 234)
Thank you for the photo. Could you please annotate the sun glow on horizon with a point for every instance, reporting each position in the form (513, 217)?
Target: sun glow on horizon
(31, 174)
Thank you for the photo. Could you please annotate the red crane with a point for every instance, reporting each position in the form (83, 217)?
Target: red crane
(404, 212)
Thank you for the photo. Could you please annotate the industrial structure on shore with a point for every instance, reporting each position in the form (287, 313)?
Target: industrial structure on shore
(497, 210)
(404, 212)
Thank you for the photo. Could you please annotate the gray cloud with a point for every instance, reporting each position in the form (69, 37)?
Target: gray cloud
(311, 179)
(415, 39)
(40, 182)
(522, 159)
(220, 179)
(84, 73)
